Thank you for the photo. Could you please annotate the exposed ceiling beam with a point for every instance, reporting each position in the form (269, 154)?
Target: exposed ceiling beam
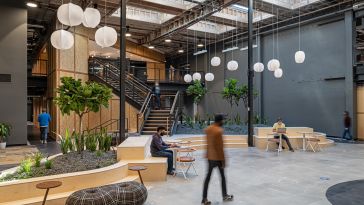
(188, 18)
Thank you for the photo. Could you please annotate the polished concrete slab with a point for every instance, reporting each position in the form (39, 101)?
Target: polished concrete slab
(256, 177)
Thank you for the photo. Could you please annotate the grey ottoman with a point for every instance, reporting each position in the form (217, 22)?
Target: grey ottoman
(129, 193)
(92, 196)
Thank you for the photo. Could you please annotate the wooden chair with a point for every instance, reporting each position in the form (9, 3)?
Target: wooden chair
(185, 162)
(313, 143)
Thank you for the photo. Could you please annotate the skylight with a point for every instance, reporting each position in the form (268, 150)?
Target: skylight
(210, 27)
(145, 15)
(240, 8)
(291, 4)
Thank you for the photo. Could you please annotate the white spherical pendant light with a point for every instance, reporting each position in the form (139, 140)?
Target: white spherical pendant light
(299, 56)
(258, 67)
(70, 14)
(278, 73)
(196, 76)
(91, 18)
(187, 78)
(209, 77)
(106, 36)
(215, 61)
(62, 39)
(275, 64)
(232, 65)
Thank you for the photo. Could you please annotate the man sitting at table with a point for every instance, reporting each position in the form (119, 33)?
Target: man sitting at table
(158, 148)
(276, 126)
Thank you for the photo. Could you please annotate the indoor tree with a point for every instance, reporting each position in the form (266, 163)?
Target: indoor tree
(197, 90)
(81, 98)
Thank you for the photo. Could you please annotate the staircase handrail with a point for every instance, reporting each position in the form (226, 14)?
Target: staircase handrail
(143, 110)
(116, 70)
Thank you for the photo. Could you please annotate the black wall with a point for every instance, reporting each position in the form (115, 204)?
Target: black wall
(13, 61)
(312, 94)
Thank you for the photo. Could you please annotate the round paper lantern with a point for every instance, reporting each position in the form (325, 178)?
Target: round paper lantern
(299, 56)
(232, 65)
(275, 64)
(106, 36)
(209, 77)
(278, 73)
(91, 18)
(215, 61)
(258, 67)
(196, 76)
(187, 78)
(70, 14)
(62, 39)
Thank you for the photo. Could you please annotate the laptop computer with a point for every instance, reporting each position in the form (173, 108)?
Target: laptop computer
(281, 130)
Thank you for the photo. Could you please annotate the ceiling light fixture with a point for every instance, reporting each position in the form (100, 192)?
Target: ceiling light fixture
(168, 40)
(151, 47)
(200, 44)
(32, 4)
(240, 8)
(127, 34)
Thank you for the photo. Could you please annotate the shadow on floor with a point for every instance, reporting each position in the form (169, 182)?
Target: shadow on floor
(347, 193)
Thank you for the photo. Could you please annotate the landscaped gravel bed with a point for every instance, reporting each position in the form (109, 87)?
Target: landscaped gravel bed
(228, 129)
(68, 163)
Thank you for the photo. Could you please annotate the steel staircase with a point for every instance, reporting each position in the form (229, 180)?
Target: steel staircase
(136, 91)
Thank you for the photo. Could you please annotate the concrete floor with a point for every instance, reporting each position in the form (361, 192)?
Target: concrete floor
(256, 177)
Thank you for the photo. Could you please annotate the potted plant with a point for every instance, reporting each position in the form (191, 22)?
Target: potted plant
(4, 133)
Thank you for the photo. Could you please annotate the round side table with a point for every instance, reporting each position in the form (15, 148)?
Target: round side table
(48, 185)
(138, 169)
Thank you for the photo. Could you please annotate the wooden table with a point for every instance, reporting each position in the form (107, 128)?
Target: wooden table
(48, 185)
(138, 168)
(280, 140)
(304, 139)
(171, 141)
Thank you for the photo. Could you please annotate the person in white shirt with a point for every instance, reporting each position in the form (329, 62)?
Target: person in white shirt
(276, 126)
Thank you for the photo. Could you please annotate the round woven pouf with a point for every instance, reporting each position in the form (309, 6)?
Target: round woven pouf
(129, 193)
(92, 196)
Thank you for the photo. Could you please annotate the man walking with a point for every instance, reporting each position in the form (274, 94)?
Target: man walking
(347, 126)
(215, 157)
(44, 119)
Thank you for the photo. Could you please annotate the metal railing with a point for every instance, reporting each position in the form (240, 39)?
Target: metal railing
(174, 113)
(144, 112)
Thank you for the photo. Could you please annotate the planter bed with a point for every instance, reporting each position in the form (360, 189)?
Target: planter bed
(68, 163)
(228, 129)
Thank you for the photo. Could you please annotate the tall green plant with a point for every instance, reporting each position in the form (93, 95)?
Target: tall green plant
(4, 131)
(233, 92)
(197, 91)
(81, 98)
(91, 141)
(66, 143)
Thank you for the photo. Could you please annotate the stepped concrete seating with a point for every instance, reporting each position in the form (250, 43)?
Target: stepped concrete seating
(24, 191)
(199, 141)
(136, 151)
(261, 134)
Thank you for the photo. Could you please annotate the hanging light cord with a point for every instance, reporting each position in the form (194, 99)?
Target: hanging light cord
(299, 26)
(277, 34)
(215, 34)
(273, 28)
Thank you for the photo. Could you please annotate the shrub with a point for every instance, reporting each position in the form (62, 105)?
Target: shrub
(188, 120)
(66, 143)
(4, 131)
(104, 140)
(79, 140)
(98, 153)
(48, 164)
(197, 91)
(37, 158)
(26, 166)
(91, 142)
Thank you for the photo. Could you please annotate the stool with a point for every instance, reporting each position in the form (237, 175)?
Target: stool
(138, 169)
(48, 185)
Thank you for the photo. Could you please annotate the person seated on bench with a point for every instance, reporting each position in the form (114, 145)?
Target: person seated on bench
(158, 148)
(276, 126)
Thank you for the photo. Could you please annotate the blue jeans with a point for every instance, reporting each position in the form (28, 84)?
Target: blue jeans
(43, 133)
(169, 155)
(347, 132)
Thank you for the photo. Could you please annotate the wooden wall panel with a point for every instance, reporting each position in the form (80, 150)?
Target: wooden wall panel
(115, 111)
(82, 54)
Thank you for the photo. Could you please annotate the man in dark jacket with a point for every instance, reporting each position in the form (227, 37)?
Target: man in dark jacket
(158, 148)
(216, 157)
(347, 126)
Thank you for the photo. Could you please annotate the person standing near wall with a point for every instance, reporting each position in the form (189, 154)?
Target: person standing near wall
(215, 157)
(44, 119)
(157, 96)
(347, 126)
